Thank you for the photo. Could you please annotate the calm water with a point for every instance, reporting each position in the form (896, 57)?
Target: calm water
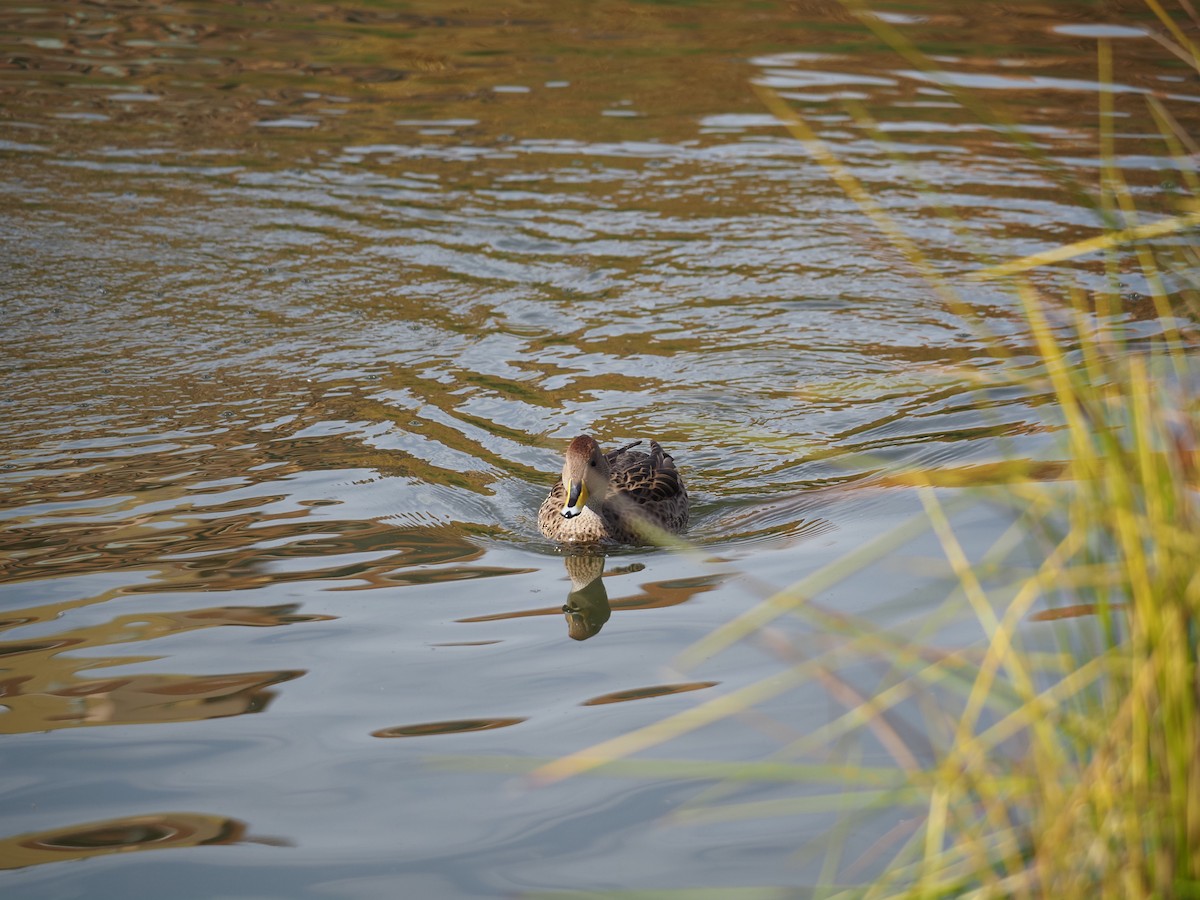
(301, 305)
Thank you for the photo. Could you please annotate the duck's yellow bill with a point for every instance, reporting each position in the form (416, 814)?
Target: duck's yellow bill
(576, 499)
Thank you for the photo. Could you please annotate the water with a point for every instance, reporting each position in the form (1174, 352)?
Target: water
(300, 308)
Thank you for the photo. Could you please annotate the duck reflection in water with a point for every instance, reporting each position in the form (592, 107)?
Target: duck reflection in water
(587, 607)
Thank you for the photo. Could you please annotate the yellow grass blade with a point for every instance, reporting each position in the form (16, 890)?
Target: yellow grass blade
(1104, 241)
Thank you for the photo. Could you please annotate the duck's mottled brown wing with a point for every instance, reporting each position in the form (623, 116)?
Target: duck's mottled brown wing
(645, 479)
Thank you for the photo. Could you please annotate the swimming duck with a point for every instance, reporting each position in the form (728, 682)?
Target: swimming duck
(614, 496)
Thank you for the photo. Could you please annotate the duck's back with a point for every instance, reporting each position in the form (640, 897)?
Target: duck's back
(646, 486)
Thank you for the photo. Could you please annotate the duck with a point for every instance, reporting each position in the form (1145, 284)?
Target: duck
(623, 496)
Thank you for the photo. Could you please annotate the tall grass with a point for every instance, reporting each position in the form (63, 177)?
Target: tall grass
(1065, 773)
(1107, 794)
(1109, 778)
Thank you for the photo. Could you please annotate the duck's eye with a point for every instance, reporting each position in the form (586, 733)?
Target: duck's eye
(593, 462)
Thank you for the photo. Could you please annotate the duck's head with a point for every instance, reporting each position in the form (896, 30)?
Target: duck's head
(584, 475)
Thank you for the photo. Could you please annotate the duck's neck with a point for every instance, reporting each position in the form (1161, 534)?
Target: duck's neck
(595, 504)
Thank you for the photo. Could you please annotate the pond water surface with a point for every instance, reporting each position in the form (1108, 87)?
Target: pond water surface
(301, 304)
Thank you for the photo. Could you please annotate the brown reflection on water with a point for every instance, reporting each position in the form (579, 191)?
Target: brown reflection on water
(225, 513)
(456, 726)
(232, 551)
(136, 700)
(226, 553)
(42, 688)
(349, 70)
(157, 831)
(644, 693)
(1075, 611)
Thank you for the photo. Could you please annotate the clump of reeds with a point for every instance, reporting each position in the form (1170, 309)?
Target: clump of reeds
(1103, 796)
(1102, 793)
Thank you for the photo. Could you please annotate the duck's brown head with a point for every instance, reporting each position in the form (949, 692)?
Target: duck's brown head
(584, 475)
